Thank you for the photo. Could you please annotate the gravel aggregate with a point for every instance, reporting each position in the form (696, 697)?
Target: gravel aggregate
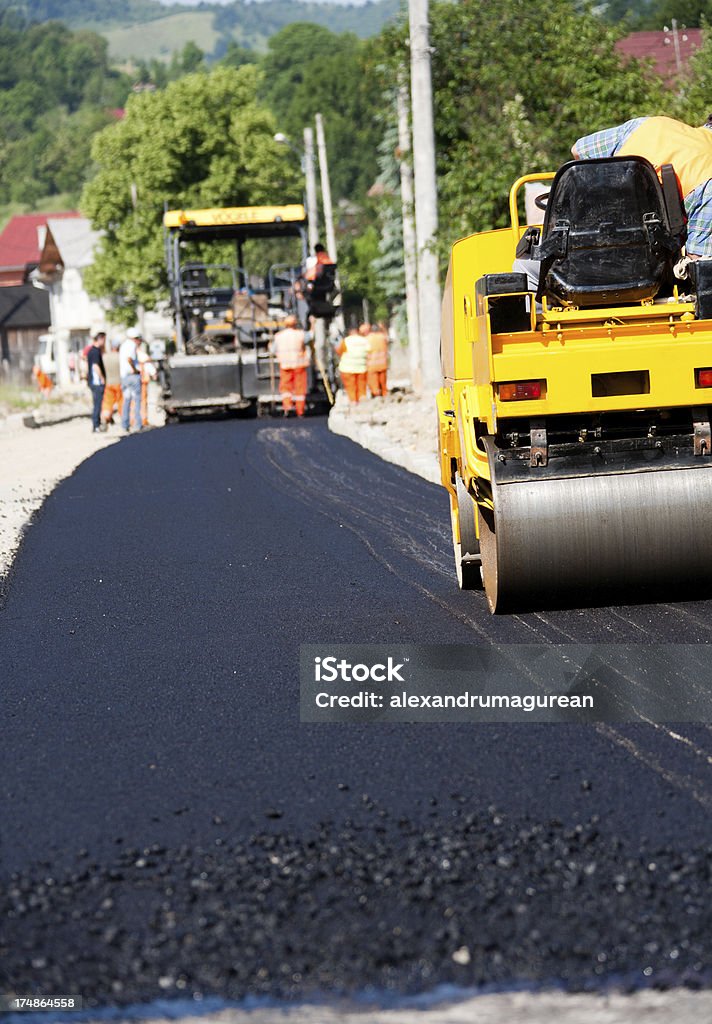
(390, 907)
(183, 771)
(401, 428)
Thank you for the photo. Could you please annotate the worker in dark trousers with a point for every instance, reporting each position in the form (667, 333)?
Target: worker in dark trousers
(96, 377)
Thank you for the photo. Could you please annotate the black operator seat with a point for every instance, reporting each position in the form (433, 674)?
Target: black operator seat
(195, 279)
(611, 232)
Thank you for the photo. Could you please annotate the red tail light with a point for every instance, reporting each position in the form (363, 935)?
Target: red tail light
(521, 390)
(704, 378)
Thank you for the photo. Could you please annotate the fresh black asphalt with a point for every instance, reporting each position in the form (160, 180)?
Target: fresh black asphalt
(169, 827)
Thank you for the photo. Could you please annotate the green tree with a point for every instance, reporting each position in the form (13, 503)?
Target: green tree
(206, 140)
(690, 13)
(388, 264)
(56, 90)
(694, 102)
(190, 59)
(310, 70)
(633, 12)
(515, 84)
(360, 279)
(236, 56)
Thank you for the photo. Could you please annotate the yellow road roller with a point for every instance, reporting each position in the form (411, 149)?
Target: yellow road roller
(574, 419)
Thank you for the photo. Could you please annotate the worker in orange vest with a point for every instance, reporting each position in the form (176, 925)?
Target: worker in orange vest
(290, 346)
(44, 382)
(353, 352)
(377, 361)
(663, 140)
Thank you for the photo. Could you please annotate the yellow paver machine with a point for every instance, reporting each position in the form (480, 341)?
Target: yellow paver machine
(574, 423)
(225, 314)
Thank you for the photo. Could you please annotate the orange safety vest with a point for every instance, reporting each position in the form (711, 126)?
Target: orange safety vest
(663, 140)
(290, 348)
(377, 358)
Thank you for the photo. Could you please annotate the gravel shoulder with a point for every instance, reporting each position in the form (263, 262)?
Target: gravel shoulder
(401, 428)
(38, 449)
(32, 463)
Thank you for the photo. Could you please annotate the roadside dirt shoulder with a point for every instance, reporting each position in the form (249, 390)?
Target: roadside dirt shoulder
(32, 462)
(401, 428)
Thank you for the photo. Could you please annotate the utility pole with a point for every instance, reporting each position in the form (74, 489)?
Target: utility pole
(426, 195)
(140, 311)
(310, 178)
(306, 165)
(328, 213)
(410, 250)
(676, 46)
(325, 189)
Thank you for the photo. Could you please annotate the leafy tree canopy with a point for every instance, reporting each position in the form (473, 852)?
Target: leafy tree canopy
(206, 140)
(235, 56)
(310, 70)
(631, 12)
(694, 102)
(690, 13)
(516, 83)
(56, 90)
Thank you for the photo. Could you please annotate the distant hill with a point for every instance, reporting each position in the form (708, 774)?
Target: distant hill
(146, 29)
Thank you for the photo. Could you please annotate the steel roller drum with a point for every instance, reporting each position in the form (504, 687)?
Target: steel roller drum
(575, 539)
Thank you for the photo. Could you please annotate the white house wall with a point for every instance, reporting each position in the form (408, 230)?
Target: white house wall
(72, 308)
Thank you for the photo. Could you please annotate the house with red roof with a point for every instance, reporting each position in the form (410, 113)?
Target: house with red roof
(21, 243)
(24, 310)
(669, 50)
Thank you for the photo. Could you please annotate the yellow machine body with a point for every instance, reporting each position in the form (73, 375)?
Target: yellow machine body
(587, 362)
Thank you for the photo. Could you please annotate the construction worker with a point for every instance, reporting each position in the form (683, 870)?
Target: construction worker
(316, 282)
(377, 361)
(112, 392)
(353, 352)
(148, 373)
(96, 378)
(660, 140)
(290, 346)
(44, 383)
(315, 264)
(663, 140)
(130, 374)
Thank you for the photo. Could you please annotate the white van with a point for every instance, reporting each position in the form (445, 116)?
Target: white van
(45, 357)
(72, 344)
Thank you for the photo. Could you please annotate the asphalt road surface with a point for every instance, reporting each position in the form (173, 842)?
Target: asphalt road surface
(169, 828)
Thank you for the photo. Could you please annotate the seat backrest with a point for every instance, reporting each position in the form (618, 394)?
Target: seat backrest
(608, 235)
(195, 278)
